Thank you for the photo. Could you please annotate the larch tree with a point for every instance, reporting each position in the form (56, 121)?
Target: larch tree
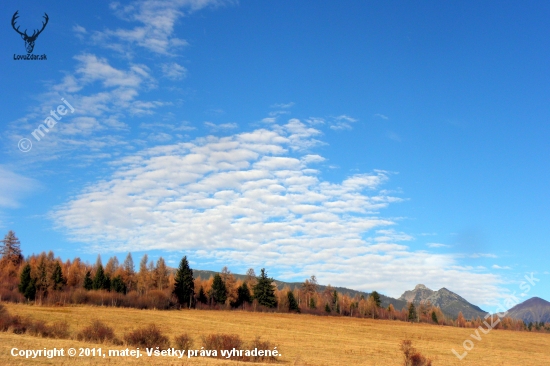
(143, 275)
(11, 250)
(111, 266)
(184, 286)
(129, 272)
(160, 274)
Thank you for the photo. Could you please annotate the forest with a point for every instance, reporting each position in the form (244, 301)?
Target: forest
(44, 279)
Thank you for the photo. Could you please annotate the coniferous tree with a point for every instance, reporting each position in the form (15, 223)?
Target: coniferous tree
(412, 312)
(292, 303)
(376, 297)
(160, 274)
(42, 282)
(312, 304)
(243, 295)
(11, 249)
(219, 291)
(264, 291)
(106, 283)
(26, 283)
(327, 308)
(30, 291)
(118, 285)
(184, 287)
(129, 272)
(58, 281)
(335, 302)
(88, 283)
(99, 278)
(202, 296)
(434, 317)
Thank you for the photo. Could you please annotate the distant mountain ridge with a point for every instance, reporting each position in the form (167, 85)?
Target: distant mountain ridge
(385, 300)
(532, 310)
(449, 302)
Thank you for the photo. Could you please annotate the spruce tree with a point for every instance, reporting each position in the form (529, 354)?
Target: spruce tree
(88, 283)
(106, 283)
(30, 291)
(184, 287)
(26, 283)
(99, 278)
(327, 308)
(264, 291)
(312, 304)
(243, 295)
(434, 317)
(292, 303)
(58, 281)
(412, 312)
(118, 285)
(202, 296)
(376, 297)
(219, 291)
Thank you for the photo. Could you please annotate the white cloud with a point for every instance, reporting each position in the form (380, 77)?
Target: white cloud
(221, 126)
(173, 71)
(496, 266)
(282, 105)
(438, 245)
(156, 22)
(381, 116)
(252, 198)
(342, 122)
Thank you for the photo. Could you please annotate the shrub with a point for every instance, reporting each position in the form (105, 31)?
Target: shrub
(412, 356)
(97, 332)
(147, 337)
(184, 342)
(222, 342)
(261, 345)
(40, 329)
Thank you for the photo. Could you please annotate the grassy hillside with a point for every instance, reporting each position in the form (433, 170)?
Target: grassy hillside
(302, 339)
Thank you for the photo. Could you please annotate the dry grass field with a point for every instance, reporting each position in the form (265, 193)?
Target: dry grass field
(302, 339)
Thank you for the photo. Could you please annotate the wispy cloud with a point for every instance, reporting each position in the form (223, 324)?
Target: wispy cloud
(221, 126)
(173, 71)
(156, 20)
(13, 187)
(438, 245)
(342, 122)
(496, 266)
(381, 116)
(282, 105)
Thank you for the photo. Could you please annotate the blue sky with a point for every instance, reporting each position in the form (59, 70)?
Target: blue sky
(376, 146)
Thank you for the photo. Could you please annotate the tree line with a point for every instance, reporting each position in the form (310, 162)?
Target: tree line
(45, 279)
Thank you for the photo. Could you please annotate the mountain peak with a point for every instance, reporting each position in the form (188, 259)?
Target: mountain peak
(534, 309)
(421, 286)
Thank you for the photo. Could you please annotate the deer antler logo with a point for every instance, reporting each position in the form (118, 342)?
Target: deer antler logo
(29, 40)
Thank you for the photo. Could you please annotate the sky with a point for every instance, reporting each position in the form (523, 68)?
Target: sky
(374, 145)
